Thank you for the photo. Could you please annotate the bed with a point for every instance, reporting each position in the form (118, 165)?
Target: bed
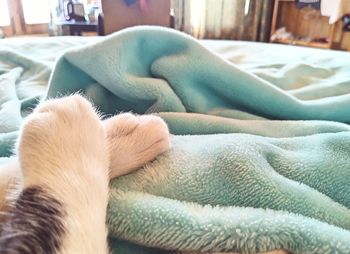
(261, 137)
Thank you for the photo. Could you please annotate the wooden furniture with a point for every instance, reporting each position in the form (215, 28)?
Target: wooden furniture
(78, 27)
(286, 14)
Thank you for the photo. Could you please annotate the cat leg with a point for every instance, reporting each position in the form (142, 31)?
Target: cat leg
(63, 155)
(138, 139)
(135, 140)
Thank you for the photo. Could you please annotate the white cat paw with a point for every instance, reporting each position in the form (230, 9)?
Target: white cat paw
(134, 141)
(63, 133)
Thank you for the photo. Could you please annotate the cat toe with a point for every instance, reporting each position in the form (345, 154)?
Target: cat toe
(121, 125)
(71, 106)
(155, 133)
(147, 137)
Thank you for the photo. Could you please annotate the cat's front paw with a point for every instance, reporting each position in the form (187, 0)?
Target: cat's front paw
(62, 134)
(134, 141)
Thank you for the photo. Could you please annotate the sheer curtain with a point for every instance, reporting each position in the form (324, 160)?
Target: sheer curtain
(224, 19)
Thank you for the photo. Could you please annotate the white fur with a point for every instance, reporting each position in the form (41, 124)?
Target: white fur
(64, 147)
(138, 139)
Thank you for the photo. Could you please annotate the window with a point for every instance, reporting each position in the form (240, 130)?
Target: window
(18, 17)
(36, 11)
(4, 13)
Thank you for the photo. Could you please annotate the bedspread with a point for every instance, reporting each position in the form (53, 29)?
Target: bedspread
(264, 163)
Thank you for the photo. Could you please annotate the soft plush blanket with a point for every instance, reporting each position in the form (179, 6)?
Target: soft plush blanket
(248, 185)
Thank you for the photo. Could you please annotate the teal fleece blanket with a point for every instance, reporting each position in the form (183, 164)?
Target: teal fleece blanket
(236, 181)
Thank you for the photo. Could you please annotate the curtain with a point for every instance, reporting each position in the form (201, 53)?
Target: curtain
(224, 19)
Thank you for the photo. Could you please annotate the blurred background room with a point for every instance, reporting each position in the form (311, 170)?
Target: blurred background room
(316, 23)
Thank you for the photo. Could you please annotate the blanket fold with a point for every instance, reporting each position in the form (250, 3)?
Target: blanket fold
(234, 180)
(170, 71)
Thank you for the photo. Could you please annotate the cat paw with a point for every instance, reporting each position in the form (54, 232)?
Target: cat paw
(134, 141)
(63, 133)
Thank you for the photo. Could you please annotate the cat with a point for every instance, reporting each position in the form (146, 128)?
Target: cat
(66, 156)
